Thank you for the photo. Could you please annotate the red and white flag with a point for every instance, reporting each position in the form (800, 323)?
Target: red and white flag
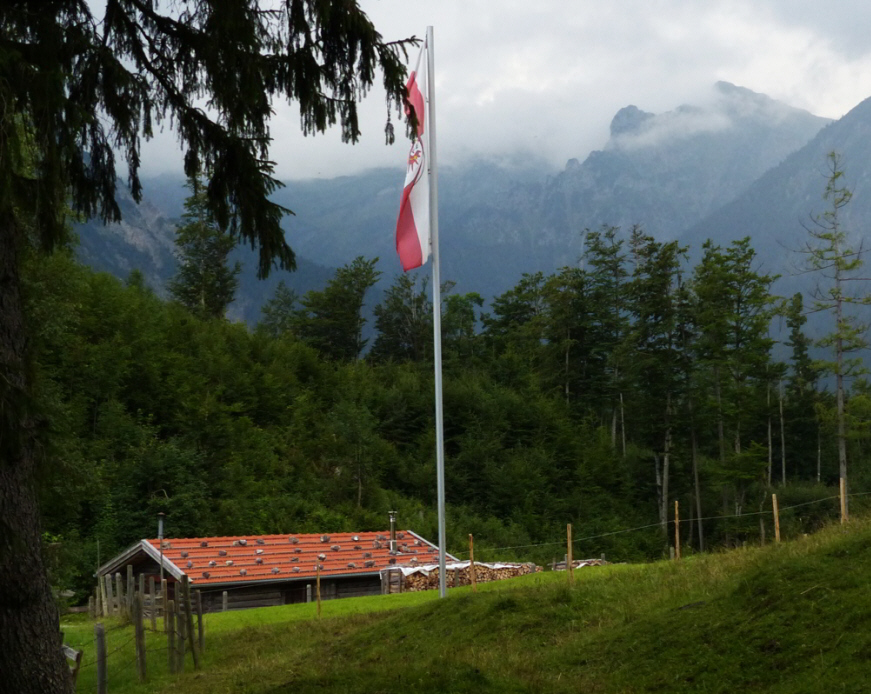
(412, 227)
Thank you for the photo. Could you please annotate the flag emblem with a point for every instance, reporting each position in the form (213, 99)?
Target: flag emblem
(412, 226)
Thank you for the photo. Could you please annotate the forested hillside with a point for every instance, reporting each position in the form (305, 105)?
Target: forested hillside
(595, 395)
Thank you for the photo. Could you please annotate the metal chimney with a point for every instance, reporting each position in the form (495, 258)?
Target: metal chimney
(160, 542)
(392, 515)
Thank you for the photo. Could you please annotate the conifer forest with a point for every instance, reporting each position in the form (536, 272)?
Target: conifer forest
(597, 395)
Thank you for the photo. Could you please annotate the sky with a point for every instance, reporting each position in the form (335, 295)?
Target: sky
(521, 80)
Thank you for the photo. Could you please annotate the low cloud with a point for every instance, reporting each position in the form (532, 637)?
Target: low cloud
(548, 77)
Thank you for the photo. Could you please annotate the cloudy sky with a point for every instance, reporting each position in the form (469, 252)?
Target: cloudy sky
(543, 78)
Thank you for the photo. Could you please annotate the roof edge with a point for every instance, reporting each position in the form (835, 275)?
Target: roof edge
(435, 547)
(206, 587)
(145, 547)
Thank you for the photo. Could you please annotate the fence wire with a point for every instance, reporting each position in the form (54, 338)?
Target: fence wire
(670, 522)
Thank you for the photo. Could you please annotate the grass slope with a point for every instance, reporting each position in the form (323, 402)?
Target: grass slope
(789, 618)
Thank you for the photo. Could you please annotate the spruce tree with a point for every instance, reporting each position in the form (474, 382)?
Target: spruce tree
(332, 320)
(77, 91)
(205, 282)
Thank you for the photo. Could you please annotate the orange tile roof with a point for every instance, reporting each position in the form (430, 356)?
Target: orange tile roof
(246, 558)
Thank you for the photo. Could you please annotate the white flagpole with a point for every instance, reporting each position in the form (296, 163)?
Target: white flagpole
(430, 121)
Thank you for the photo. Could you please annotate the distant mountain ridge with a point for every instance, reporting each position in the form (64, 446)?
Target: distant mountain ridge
(667, 172)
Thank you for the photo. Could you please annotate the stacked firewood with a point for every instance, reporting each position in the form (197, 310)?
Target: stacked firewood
(461, 575)
(579, 564)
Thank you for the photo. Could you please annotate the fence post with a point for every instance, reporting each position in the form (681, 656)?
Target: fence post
(180, 624)
(224, 601)
(472, 575)
(676, 530)
(102, 610)
(152, 601)
(164, 593)
(200, 620)
(319, 589)
(139, 626)
(189, 620)
(843, 490)
(569, 562)
(169, 618)
(119, 594)
(92, 607)
(110, 600)
(776, 511)
(131, 589)
(308, 591)
(102, 678)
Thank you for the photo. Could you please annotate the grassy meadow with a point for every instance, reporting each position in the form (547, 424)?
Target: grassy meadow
(793, 617)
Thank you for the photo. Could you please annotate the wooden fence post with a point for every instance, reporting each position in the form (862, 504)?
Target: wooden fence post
(776, 511)
(319, 589)
(131, 589)
(569, 562)
(101, 592)
(200, 621)
(308, 591)
(169, 619)
(180, 624)
(102, 677)
(164, 593)
(676, 531)
(119, 594)
(92, 608)
(472, 564)
(843, 492)
(110, 600)
(139, 634)
(189, 621)
(152, 600)
(225, 598)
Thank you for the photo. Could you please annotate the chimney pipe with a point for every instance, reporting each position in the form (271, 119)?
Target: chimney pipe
(160, 542)
(392, 515)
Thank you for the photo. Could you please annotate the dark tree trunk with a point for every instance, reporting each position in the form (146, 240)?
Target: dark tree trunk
(31, 660)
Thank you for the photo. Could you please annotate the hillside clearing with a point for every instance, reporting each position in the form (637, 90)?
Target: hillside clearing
(787, 618)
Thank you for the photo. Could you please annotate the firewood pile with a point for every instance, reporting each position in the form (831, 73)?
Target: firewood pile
(580, 563)
(427, 578)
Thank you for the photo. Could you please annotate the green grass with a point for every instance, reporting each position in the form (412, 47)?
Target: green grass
(789, 618)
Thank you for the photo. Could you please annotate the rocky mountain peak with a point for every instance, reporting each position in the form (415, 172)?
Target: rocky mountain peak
(629, 120)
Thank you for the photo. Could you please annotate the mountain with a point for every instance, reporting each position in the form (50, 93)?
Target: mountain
(499, 219)
(145, 240)
(778, 207)
(668, 171)
(663, 171)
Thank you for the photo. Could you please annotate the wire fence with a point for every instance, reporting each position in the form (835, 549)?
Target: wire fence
(648, 526)
(124, 669)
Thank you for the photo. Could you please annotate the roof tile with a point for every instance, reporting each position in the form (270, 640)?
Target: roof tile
(235, 559)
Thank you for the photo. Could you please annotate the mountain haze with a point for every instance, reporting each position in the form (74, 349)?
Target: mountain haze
(665, 171)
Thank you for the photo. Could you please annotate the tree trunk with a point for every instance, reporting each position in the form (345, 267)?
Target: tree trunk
(782, 438)
(819, 450)
(694, 450)
(663, 520)
(842, 435)
(30, 656)
(614, 428)
(770, 451)
(666, 462)
(721, 438)
(622, 424)
(567, 370)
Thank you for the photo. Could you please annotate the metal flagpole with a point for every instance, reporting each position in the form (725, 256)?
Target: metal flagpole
(430, 121)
